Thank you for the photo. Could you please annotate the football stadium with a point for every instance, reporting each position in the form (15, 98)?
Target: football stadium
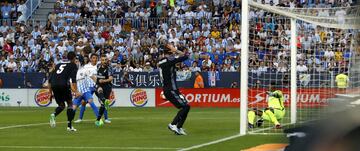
(179, 75)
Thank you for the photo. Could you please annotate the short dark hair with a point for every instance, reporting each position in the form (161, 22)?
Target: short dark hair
(87, 50)
(103, 55)
(93, 54)
(71, 55)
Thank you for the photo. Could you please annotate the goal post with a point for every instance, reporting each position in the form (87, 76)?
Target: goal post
(244, 66)
(293, 76)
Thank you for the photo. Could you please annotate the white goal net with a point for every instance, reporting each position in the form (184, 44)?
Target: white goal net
(321, 42)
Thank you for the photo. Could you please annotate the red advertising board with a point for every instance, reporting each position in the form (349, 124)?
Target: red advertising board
(228, 97)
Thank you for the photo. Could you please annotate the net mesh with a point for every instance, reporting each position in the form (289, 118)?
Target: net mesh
(323, 52)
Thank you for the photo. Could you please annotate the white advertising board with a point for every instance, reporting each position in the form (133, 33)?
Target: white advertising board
(40, 97)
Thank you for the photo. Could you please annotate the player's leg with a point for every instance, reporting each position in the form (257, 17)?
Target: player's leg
(76, 103)
(82, 110)
(269, 115)
(89, 99)
(61, 106)
(179, 102)
(173, 125)
(251, 118)
(100, 94)
(59, 101)
(103, 94)
(279, 114)
(252, 114)
(185, 108)
(106, 117)
(70, 110)
(107, 93)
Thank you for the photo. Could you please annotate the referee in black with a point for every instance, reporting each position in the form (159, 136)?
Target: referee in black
(59, 85)
(171, 91)
(104, 87)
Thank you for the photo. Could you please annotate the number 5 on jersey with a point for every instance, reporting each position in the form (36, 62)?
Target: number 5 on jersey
(61, 69)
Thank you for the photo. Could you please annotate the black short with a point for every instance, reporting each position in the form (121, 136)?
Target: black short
(176, 98)
(107, 91)
(62, 94)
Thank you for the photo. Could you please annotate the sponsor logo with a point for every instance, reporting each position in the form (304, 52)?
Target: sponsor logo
(211, 98)
(4, 97)
(42, 97)
(301, 98)
(112, 98)
(138, 97)
(256, 97)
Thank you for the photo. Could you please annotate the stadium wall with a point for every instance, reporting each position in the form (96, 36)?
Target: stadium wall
(40, 98)
(153, 97)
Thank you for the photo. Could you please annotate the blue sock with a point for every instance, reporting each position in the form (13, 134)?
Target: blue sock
(95, 109)
(106, 115)
(82, 110)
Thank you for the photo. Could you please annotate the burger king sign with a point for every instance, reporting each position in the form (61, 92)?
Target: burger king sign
(42, 97)
(138, 97)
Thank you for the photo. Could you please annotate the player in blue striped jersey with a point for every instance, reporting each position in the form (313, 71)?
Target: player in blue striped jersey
(85, 79)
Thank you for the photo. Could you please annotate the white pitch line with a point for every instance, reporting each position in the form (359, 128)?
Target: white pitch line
(268, 128)
(38, 124)
(24, 125)
(227, 138)
(210, 143)
(115, 118)
(87, 148)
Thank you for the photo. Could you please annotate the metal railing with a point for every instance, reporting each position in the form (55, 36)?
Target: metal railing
(31, 6)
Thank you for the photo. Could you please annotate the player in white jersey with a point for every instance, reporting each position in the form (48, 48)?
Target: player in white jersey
(94, 67)
(85, 79)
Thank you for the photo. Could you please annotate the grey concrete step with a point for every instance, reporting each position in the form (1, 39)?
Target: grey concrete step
(50, 1)
(43, 11)
(39, 17)
(47, 5)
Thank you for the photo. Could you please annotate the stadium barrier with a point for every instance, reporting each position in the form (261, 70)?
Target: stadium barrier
(139, 97)
(135, 97)
(230, 97)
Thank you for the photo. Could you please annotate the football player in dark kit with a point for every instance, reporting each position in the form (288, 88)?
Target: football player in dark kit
(60, 87)
(171, 91)
(104, 79)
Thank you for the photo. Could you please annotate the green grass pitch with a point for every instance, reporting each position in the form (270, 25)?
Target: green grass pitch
(131, 129)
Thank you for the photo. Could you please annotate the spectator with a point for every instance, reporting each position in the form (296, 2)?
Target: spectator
(199, 81)
(262, 68)
(11, 66)
(6, 10)
(125, 80)
(118, 67)
(301, 67)
(147, 67)
(338, 55)
(137, 69)
(194, 67)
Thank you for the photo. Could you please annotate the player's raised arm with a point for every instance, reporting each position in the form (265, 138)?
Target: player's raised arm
(169, 49)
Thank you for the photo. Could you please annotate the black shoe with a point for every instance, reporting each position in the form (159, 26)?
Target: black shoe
(259, 122)
(250, 125)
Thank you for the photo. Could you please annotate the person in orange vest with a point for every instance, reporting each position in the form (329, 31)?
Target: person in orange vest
(199, 81)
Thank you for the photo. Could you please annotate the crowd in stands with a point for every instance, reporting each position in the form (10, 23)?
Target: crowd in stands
(128, 32)
(12, 10)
